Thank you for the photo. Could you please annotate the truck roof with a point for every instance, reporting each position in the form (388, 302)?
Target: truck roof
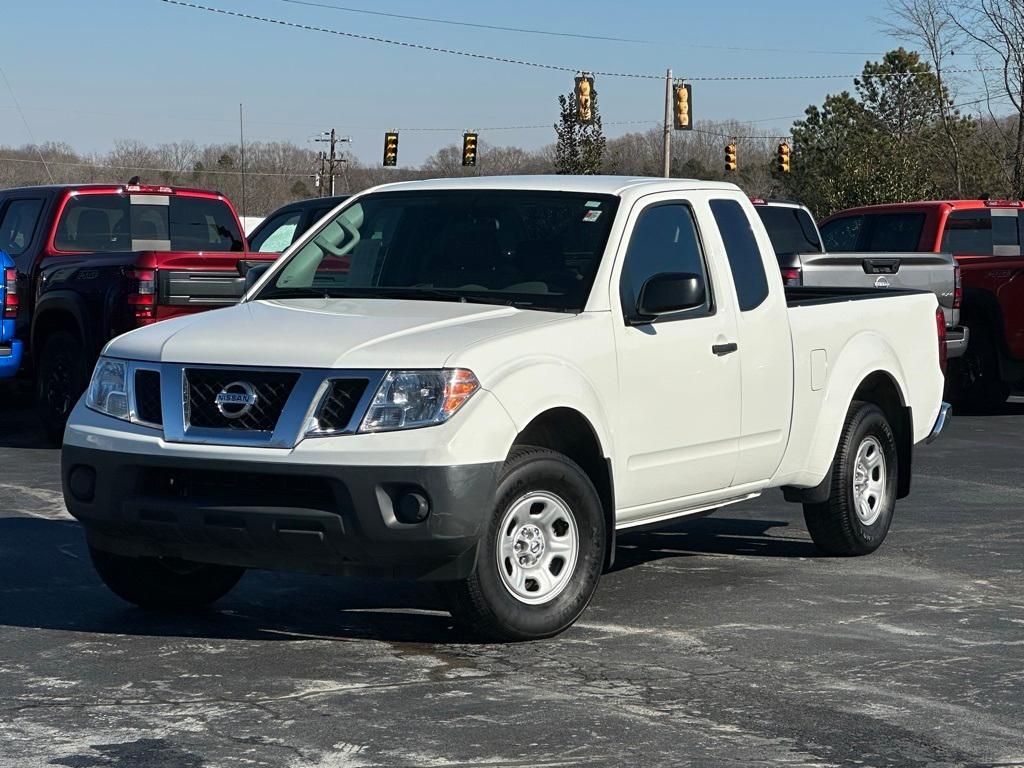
(925, 204)
(598, 185)
(142, 188)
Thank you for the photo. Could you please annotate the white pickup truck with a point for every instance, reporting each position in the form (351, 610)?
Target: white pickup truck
(479, 381)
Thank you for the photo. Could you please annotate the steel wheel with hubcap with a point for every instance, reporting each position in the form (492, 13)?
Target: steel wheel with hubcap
(855, 518)
(541, 553)
(869, 481)
(537, 547)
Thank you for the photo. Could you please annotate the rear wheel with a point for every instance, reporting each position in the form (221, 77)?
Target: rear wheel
(541, 554)
(62, 378)
(856, 517)
(158, 583)
(975, 383)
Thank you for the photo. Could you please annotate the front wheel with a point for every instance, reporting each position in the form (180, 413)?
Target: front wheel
(62, 378)
(159, 583)
(541, 553)
(856, 517)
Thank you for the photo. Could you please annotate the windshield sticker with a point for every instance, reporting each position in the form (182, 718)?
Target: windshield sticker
(593, 204)
(592, 216)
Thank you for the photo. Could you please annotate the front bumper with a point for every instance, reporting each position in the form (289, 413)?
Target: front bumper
(10, 358)
(956, 341)
(280, 516)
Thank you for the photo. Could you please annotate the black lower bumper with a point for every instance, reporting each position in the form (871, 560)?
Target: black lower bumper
(322, 519)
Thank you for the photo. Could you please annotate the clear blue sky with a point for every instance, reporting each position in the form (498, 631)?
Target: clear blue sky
(92, 72)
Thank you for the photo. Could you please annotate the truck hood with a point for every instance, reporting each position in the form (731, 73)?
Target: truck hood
(326, 333)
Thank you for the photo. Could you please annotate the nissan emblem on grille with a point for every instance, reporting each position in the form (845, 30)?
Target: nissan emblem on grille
(236, 399)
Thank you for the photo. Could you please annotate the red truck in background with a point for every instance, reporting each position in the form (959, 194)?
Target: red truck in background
(96, 260)
(985, 237)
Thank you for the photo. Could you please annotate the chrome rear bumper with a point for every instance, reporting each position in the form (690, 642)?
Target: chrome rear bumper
(956, 341)
(945, 414)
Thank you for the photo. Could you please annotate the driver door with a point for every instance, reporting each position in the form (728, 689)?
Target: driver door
(678, 414)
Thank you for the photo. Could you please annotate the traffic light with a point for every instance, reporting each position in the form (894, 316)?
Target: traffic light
(783, 157)
(585, 99)
(469, 149)
(730, 157)
(683, 121)
(391, 149)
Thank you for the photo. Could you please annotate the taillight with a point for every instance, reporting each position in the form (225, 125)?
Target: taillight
(940, 327)
(142, 292)
(11, 295)
(958, 288)
(792, 276)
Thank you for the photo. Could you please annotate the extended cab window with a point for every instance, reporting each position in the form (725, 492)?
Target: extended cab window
(536, 250)
(277, 234)
(111, 222)
(18, 224)
(664, 240)
(741, 247)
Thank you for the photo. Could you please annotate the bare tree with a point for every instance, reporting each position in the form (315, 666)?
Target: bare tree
(928, 23)
(996, 28)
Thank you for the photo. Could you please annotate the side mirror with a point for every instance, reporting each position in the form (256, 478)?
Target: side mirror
(252, 273)
(670, 292)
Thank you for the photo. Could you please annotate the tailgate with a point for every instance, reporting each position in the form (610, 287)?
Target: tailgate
(932, 272)
(203, 281)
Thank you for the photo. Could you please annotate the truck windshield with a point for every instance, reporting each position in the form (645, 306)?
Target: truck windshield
(145, 222)
(536, 250)
(791, 229)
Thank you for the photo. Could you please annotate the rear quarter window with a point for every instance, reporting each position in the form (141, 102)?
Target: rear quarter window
(842, 235)
(744, 255)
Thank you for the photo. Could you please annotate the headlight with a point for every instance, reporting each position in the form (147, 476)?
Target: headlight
(410, 399)
(108, 390)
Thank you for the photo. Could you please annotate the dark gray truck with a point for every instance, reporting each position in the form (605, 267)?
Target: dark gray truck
(804, 261)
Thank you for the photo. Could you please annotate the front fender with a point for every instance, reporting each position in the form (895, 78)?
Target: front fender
(529, 387)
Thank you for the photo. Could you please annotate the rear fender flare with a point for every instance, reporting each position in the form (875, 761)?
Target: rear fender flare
(864, 355)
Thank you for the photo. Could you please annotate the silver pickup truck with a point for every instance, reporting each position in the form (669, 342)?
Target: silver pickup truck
(804, 261)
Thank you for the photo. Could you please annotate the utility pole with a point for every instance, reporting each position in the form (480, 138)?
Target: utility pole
(241, 139)
(667, 149)
(332, 159)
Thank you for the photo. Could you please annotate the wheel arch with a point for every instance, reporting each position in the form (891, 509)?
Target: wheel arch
(569, 432)
(881, 387)
(58, 311)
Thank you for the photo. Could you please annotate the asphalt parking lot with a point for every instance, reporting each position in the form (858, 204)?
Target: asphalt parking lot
(724, 641)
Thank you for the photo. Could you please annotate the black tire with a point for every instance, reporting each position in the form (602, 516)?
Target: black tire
(974, 383)
(61, 379)
(158, 584)
(483, 603)
(836, 526)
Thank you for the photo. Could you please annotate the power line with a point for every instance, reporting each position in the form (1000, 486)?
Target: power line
(536, 65)
(573, 35)
(455, 23)
(25, 121)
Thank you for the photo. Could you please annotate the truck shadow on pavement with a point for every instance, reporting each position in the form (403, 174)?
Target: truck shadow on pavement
(47, 582)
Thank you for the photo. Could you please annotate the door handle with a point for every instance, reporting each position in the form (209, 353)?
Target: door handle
(724, 349)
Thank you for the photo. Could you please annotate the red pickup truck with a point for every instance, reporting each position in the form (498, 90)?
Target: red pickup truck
(95, 260)
(985, 237)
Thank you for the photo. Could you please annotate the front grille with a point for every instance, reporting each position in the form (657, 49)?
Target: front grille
(147, 397)
(340, 403)
(271, 390)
